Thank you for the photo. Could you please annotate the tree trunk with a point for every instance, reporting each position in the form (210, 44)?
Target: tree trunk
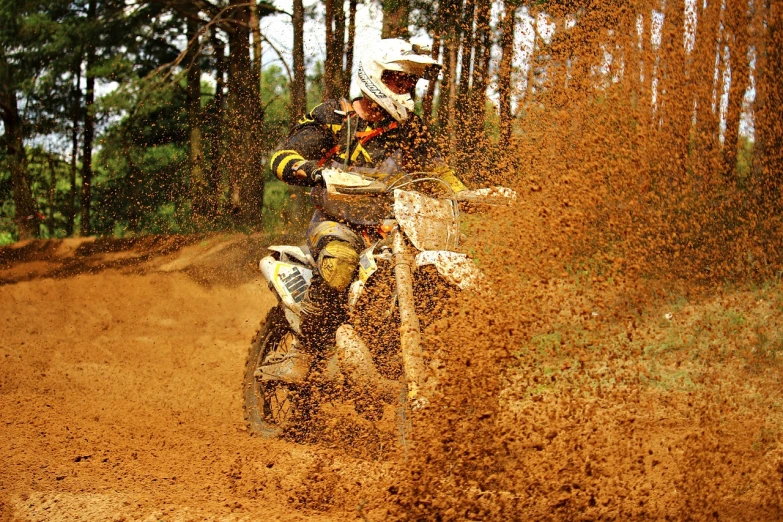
(298, 107)
(52, 190)
(674, 108)
(244, 124)
(504, 71)
(217, 115)
(89, 133)
(481, 47)
(648, 61)
(451, 107)
(768, 148)
(395, 19)
(474, 139)
(706, 126)
(27, 219)
(348, 71)
(464, 115)
(530, 74)
(89, 129)
(467, 37)
(298, 87)
(331, 63)
(629, 40)
(75, 114)
(429, 96)
(339, 48)
(255, 31)
(442, 110)
(737, 25)
(447, 24)
(436, 27)
(198, 194)
(559, 54)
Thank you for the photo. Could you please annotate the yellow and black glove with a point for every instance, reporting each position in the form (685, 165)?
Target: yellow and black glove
(291, 167)
(307, 171)
(447, 174)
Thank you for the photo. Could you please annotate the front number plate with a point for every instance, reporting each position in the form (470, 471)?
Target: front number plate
(367, 265)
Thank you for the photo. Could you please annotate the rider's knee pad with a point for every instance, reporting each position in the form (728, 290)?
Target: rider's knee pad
(337, 263)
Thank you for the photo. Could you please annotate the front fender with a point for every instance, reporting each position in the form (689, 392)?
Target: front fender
(458, 269)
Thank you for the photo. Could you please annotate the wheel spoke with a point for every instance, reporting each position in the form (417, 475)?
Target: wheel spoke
(284, 404)
(275, 401)
(279, 404)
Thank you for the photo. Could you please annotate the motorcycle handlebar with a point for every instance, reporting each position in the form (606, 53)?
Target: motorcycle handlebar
(372, 189)
(488, 196)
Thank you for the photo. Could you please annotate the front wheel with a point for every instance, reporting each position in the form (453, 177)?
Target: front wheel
(272, 407)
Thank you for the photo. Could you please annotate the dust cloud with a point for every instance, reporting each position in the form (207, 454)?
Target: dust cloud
(627, 362)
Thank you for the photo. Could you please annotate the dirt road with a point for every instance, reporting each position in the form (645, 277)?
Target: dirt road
(120, 399)
(120, 379)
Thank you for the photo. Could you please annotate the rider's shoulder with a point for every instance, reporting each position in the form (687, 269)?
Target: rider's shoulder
(328, 112)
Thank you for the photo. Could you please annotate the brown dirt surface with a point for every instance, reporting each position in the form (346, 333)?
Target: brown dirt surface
(120, 400)
(120, 389)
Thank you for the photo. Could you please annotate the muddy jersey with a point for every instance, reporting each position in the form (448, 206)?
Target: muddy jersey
(383, 146)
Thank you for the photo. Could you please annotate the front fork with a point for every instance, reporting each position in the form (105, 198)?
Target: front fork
(410, 330)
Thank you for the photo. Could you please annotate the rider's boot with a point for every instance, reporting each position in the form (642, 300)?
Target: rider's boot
(288, 363)
(324, 304)
(323, 311)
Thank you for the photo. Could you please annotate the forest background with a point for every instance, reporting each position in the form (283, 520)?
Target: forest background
(123, 118)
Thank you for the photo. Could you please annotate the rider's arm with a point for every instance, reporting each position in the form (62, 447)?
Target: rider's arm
(296, 160)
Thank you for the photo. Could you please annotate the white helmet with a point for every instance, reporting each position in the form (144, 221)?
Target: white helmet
(389, 72)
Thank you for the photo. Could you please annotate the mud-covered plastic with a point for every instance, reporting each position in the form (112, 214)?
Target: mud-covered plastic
(363, 209)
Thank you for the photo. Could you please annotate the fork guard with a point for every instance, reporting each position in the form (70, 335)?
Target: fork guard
(355, 363)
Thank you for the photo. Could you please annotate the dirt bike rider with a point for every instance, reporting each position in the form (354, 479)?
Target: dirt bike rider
(385, 137)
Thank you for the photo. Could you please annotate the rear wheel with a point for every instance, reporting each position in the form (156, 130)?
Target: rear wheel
(272, 408)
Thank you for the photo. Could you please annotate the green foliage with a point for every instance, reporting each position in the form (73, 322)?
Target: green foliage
(141, 170)
(6, 238)
(7, 214)
(42, 167)
(43, 45)
(50, 181)
(281, 217)
(744, 160)
(275, 98)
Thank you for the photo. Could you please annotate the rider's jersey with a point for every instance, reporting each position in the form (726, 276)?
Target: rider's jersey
(382, 146)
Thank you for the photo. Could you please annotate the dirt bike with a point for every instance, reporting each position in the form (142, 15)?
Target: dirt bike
(377, 358)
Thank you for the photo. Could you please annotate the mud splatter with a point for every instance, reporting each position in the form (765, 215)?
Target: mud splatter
(625, 364)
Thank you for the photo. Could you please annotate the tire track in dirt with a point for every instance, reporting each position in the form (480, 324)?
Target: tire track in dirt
(120, 399)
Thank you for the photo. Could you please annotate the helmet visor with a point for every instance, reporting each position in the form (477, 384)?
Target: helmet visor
(399, 82)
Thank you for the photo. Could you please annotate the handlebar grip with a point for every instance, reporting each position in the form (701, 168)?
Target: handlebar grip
(371, 189)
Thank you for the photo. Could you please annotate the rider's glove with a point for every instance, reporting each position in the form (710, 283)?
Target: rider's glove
(447, 174)
(308, 172)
